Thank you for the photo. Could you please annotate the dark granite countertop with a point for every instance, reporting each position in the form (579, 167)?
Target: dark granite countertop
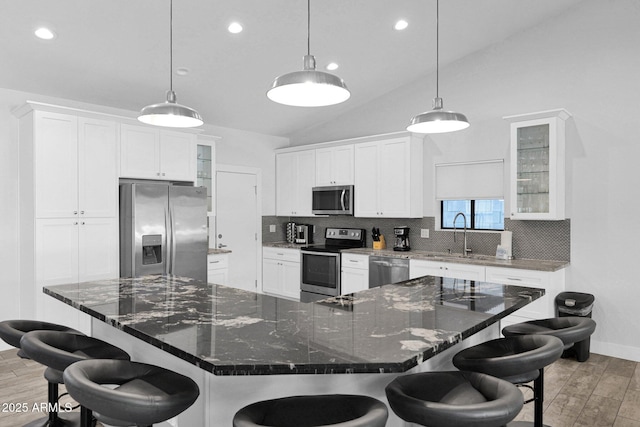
(229, 331)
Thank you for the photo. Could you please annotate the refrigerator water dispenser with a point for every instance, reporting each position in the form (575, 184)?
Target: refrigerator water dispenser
(151, 249)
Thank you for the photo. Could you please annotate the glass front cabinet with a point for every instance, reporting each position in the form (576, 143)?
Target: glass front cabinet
(537, 174)
(205, 168)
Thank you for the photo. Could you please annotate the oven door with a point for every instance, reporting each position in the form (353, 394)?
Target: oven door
(320, 273)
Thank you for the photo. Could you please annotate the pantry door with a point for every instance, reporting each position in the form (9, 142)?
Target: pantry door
(239, 223)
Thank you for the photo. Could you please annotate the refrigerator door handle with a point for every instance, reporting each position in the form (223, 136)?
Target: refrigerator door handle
(172, 245)
(166, 251)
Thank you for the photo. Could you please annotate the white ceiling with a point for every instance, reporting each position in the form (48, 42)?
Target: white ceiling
(116, 52)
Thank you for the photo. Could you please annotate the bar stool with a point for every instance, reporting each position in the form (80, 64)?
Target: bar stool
(57, 350)
(11, 331)
(575, 332)
(518, 359)
(145, 394)
(456, 398)
(344, 410)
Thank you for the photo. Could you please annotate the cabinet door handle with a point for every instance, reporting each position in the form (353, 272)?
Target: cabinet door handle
(514, 278)
(75, 212)
(75, 223)
(157, 173)
(82, 223)
(81, 212)
(213, 262)
(163, 173)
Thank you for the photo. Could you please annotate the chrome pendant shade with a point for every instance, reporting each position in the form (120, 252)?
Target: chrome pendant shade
(170, 113)
(309, 87)
(438, 120)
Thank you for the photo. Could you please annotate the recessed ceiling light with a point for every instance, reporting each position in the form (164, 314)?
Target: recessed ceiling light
(234, 28)
(332, 66)
(400, 25)
(44, 33)
(182, 71)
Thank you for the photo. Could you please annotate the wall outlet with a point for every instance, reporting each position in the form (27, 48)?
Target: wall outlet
(272, 228)
(424, 233)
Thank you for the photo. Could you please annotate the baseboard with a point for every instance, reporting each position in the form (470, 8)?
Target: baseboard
(616, 350)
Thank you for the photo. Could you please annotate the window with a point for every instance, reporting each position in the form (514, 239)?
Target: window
(481, 214)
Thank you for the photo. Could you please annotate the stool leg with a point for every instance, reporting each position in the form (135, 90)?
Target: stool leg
(52, 398)
(582, 350)
(86, 417)
(538, 396)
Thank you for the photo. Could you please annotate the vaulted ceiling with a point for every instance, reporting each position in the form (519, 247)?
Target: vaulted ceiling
(116, 52)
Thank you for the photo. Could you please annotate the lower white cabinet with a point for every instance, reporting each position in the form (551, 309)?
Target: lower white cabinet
(553, 282)
(281, 272)
(418, 268)
(218, 269)
(354, 275)
(69, 250)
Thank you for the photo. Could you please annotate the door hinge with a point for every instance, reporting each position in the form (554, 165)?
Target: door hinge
(256, 236)
(255, 190)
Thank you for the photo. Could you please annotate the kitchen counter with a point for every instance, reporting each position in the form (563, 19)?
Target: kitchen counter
(486, 260)
(285, 245)
(214, 251)
(228, 331)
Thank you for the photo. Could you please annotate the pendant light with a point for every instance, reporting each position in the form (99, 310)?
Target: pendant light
(438, 120)
(170, 113)
(309, 87)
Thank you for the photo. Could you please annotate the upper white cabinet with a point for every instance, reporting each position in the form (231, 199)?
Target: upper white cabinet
(295, 177)
(537, 176)
(150, 153)
(334, 165)
(206, 168)
(388, 178)
(75, 166)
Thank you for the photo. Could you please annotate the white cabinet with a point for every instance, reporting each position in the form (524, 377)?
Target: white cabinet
(149, 153)
(553, 282)
(218, 268)
(281, 272)
(295, 177)
(206, 168)
(334, 165)
(69, 203)
(418, 268)
(537, 174)
(388, 178)
(354, 275)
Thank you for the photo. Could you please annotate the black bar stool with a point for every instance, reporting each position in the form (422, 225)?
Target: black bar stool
(344, 410)
(11, 331)
(518, 359)
(456, 398)
(575, 332)
(57, 350)
(145, 394)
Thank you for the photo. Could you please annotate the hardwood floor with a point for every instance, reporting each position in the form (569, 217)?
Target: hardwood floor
(604, 391)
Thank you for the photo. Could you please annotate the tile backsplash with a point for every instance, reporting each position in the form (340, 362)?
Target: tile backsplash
(546, 240)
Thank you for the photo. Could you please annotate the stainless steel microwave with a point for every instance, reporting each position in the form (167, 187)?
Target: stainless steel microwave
(332, 200)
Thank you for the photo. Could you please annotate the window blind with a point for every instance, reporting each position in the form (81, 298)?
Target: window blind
(470, 180)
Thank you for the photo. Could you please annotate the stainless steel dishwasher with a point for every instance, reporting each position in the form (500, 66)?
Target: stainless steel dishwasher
(385, 270)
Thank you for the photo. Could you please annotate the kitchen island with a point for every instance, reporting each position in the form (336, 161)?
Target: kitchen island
(241, 347)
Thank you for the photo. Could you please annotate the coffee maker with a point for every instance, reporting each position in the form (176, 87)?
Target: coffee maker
(304, 233)
(402, 239)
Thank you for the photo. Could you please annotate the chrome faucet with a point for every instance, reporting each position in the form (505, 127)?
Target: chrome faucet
(465, 249)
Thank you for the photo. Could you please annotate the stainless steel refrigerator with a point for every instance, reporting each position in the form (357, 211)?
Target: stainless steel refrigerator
(163, 230)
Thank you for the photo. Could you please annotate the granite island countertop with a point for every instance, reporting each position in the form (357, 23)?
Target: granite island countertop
(228, 331)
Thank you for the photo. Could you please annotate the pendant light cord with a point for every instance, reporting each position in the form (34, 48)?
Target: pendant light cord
(437, 47)
(308, 27)
(171, 45)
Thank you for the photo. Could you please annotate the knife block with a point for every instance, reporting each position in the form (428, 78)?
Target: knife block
(380, 244)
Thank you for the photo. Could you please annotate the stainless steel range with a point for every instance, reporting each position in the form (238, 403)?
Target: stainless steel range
(320, 274)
